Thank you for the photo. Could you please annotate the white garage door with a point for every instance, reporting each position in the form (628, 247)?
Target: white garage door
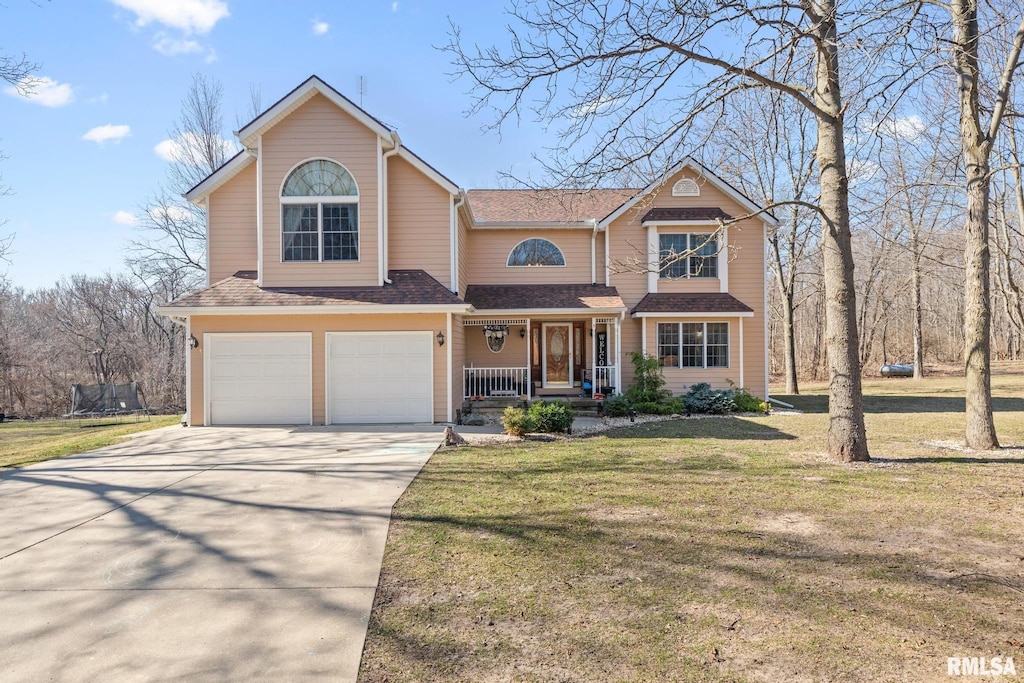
(255, 379)
(380, 377)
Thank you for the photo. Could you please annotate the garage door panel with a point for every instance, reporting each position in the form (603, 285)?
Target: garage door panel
(380, 377)
(259, 379)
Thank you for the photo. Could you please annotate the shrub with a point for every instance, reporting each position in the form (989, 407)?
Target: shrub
(701, 398)
(517, 422)
(652, 408)
(551, 416)
(747, 402)
(616, 406)
(648, 383)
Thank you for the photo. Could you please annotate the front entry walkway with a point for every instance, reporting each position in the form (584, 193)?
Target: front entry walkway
(201, 554)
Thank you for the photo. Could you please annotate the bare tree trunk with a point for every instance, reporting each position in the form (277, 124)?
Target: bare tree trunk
(789, 335)
(980, 431)
(915, 276)
(847, 437)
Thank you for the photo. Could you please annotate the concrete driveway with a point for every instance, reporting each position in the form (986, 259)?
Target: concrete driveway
(226, 554)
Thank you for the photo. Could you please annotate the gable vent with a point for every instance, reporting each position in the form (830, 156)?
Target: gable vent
(687, 187)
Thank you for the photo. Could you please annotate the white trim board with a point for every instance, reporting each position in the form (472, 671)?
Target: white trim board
(715, 314)
(353, 309)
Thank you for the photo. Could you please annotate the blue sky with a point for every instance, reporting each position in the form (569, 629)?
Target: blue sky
(119, 68)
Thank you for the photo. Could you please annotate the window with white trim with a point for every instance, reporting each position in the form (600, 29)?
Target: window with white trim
(693, 345)
(320, 213)
(535, 252)
(686, 255)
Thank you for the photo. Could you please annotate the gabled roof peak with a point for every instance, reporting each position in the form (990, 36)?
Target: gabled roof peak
(301, 93)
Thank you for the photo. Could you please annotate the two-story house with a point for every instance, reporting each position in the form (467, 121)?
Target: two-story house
(351, 282)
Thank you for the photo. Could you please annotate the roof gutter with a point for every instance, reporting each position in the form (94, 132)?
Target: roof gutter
(322, 309)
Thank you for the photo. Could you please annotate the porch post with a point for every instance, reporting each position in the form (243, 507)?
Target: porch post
(529, 367)
(618, 355)
(451, 370)
(593, 358)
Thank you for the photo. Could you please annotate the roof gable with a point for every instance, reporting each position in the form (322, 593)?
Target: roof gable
(296, 98)
(705, 173)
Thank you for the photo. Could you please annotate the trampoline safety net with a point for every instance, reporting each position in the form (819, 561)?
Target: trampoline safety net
(106, 399)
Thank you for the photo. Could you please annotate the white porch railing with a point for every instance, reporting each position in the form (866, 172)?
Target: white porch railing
(495, 382)
(606, 376)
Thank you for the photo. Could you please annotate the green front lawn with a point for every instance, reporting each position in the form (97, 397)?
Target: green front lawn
(27, 441)
(720, 549)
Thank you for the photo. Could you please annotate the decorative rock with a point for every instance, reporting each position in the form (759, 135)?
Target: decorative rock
(474, 420)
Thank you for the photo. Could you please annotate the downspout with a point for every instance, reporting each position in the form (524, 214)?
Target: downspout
(384, 192)
(454, 239)
(607, 260)
(593, 253)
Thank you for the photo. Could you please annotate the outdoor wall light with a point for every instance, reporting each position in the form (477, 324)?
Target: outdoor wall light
(193, 343)
(522, 333)
(440, 338)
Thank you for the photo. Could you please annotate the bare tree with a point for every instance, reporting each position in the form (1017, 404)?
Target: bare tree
(978, 100)
(627, 82)
(172, 241)
(16, 70)
(917, 169)
(767, 145)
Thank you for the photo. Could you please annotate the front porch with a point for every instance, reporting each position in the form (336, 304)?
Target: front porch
(566, 357)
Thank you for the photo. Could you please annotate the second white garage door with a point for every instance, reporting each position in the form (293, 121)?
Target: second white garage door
(379, 377)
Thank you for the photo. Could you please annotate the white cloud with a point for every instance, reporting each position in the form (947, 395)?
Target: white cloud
(394, 6)
(320, 28)
(170, 46)
(598, 105)
(101, 134)
(176, 150)
(99, 99)
(125, 218)
(43, 90)
(190, 16)
(172, 213)
(168, 150)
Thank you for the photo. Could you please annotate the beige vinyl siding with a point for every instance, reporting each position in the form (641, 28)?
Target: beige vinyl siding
(319, 130)
(232, 239)
(512, 355)
(487, 264)
(419, 222)
(680, 379)
(746, 282)
(318, 325)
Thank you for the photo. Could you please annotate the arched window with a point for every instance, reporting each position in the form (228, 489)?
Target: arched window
(320, 213)
(535, 252)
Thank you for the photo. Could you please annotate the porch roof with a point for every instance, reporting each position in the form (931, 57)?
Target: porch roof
(696, 213)
(709, 303)
(571, 298)
(409, 289)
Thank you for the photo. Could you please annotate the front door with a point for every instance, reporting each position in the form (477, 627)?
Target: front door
(557, 355)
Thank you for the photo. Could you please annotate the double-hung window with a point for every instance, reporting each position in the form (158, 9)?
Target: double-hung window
(693, 345)
(320, 213)
(688, 255)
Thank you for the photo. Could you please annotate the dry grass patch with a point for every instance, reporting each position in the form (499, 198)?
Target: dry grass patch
(722, 549)
(23, 442)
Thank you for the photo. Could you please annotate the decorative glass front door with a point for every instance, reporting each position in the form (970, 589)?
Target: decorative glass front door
(557, 354)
